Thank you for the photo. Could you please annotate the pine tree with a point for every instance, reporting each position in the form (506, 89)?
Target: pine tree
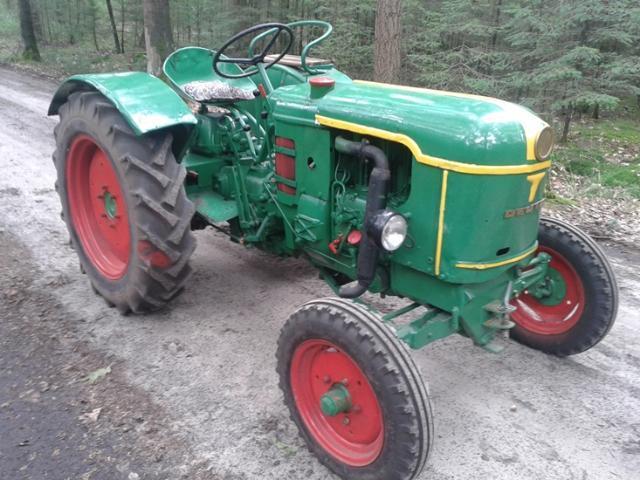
(30, 51)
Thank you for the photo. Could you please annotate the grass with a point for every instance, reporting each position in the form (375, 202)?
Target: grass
(63, 61)
(604, 153)
(555, 199)
(60, 61)
(622, 130)
(9, 34)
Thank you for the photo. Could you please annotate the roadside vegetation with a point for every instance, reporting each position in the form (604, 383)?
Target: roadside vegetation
(575, 62)
(607, 152)
(595, 180)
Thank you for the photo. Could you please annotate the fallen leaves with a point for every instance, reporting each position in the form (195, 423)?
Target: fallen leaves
(606, 213)
(97, 375)
(91, 416)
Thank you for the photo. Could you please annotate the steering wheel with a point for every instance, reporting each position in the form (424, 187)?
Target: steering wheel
(275, 28)
(326, 26)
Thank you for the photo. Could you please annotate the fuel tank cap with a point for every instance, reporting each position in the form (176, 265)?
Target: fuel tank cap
(320, 86)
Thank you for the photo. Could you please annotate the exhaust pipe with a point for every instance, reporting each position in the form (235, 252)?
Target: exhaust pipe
(376, 201)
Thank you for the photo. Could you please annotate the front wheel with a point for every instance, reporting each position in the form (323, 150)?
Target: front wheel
(575, 306)
(354, 392)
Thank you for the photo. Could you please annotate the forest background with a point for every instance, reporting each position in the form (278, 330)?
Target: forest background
(574, 62)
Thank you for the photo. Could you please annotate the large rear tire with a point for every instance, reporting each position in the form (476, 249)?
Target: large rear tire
(354, 392)
(124, 204)
(580, 303)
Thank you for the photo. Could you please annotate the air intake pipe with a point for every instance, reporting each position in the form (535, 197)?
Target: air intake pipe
(376, 201)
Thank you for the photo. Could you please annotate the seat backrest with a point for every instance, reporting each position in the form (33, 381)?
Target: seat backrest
(194, 64)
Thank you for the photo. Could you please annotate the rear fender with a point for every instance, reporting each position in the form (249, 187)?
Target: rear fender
(146, 102)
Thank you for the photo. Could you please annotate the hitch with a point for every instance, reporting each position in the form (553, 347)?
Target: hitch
(502, 311)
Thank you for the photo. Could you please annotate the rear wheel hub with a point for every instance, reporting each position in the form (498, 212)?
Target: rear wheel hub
(98, 208)
(110, 205)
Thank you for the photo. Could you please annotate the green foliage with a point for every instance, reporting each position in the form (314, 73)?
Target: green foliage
(559, 58)
(606, 153)
(621, 130)
(579, 160)
(9, 33)
(568, 59)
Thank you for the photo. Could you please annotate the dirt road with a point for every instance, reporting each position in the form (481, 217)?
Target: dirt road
(192, 391)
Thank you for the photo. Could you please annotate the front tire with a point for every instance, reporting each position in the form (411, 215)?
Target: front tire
(582, 302)
(354, 392)
(124, 204)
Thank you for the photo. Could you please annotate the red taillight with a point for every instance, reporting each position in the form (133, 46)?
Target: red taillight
(285, 164)
(285, 143)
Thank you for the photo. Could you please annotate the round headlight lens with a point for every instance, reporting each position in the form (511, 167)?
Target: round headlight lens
(394, 233)
(544, 143)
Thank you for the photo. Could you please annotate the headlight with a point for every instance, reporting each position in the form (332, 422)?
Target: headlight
(389, 229)
(544, 143)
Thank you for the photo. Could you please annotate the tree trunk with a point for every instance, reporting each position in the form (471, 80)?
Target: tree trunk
(94, 33)
(114, 29)
(496, 6)
(387, 41)
(123, 11)
(47, 22)
(30, 51)
(37, 23)
(69, 21)
(157, 33)
(568, 115)
(198, 25)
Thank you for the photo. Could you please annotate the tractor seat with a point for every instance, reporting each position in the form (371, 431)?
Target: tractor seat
(190, 71)
(215, 91)
(295, 61)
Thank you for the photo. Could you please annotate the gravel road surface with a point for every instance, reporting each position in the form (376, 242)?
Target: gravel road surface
(192, 391)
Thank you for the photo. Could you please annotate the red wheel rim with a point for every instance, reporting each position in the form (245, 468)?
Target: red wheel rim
(552, 319)
(98, 208)
(354, 437)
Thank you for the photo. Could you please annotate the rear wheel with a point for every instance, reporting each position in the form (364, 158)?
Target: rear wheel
(576, 304)
(124, 204)
(354, 392)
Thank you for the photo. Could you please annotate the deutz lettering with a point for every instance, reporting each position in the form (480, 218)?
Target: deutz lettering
(518, 212)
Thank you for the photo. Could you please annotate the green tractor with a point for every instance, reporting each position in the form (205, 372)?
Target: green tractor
(426, 195)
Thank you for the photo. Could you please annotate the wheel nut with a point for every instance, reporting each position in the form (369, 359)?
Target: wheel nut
(326, 379)
(346, 421)
(345, 382)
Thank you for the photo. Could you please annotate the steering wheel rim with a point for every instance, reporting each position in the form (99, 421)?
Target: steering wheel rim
(328, 29)
(276, 28)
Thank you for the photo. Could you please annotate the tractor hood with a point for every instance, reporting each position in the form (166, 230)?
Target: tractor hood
(476, 169)
(440, 128)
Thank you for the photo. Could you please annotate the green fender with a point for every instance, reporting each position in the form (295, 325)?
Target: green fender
(146, 102)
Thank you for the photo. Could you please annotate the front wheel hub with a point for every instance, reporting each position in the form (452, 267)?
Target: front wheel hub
(344, 418)
(335, 401)
(555, 305)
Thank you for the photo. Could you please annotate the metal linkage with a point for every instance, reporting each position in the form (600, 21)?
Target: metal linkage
(502, 311)
(534, 272)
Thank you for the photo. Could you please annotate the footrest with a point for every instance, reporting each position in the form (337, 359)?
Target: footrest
(499, 324)
(493, 346)
(214, 207)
